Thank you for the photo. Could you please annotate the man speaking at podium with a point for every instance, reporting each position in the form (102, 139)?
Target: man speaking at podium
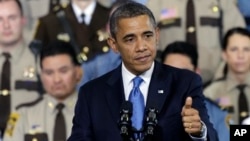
(175, 94)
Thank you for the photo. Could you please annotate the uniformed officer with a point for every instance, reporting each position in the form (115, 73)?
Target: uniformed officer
(86, 20)
(60, 72)
(244, 9)
(171, 17)
(18, 79)
(229, 90)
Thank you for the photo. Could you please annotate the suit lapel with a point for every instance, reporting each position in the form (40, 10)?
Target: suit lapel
(159, 88)
(115, 93)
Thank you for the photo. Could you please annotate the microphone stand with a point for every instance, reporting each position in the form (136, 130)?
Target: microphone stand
(150, 124)
(125, 122)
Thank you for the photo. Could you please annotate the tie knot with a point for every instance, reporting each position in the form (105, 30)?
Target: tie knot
(82, 16)
(241, 87)
(137, 81)
(6, 55)
(60, 106)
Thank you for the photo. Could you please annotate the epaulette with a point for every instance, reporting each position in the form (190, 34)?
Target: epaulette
(28, 104)
(220, 79)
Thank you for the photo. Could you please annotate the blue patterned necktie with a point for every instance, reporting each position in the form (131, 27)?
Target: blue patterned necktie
(137, 99)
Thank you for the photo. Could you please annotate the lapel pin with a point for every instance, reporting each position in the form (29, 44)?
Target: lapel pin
(160, 91)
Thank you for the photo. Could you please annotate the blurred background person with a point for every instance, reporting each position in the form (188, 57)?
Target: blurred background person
(183, 55)
(102, 63)
(50, 117)
(18, 74)
(245, 10)
(232, 90)
(34, 9)
(199, 22)
(80, 24)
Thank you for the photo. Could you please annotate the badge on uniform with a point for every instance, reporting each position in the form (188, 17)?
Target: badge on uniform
(29, 72)
(168, 14)
(11, 124)
(63, 37)
(102, 35)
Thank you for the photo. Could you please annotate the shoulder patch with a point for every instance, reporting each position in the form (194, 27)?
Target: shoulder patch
(11, 124)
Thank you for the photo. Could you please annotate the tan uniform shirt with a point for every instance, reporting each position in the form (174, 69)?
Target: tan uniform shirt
(171, 15)
(40, 118)
(226, 93)
(23, 75)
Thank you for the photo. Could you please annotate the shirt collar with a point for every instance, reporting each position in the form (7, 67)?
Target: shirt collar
(128, 76)
(16, 52)
(88, 12)
(69, 102)
(232, 82)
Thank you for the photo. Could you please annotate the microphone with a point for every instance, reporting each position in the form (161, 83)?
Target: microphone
(125, 121)
(150, 123)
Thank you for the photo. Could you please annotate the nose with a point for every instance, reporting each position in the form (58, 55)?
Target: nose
(141, 45)
(241, 54)
(6, 23)
(57, 78)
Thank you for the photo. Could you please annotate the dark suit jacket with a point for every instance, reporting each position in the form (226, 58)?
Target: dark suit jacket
(100, 100)
(50, 27)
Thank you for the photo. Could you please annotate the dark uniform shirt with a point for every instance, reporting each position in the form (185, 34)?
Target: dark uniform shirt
(91, 39)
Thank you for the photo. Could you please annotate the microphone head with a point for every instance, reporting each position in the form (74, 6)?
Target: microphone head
(127, 107)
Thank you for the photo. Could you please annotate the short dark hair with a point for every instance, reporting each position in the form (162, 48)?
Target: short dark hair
(58, 47)
(128, 10)
(18, 4)
(181, 47)
(231, 32)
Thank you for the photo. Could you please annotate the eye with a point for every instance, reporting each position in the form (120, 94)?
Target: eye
(64, 70)
(148, 35)
(48, 72)
(233, 49)
(247, 49)
(129, 39)
(13, 17)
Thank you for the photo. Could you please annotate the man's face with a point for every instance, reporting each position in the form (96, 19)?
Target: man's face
(179, 61)
(136, 41)
(59, 76)
(237, 54)
(11, 23)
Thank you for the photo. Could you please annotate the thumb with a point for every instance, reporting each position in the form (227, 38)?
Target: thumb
(188, 102)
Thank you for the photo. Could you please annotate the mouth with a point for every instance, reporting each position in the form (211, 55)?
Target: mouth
(7, 33)
(142, 58)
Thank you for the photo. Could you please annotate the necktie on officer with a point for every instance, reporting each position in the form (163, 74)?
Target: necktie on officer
(190, 23)
(60, 127)
(137, 99)
(5, 92)
(83, 18)
(242, 103)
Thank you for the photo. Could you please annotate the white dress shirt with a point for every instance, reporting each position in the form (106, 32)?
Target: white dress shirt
(88, 12)
(128, 81)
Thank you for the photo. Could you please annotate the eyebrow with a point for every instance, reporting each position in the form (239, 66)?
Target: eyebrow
(132, 35)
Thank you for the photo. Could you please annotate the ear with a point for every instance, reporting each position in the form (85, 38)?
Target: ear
(112, 43)
(79, 73)
(157, 34)
(224, 56)
(198, 71)
(24, 21)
